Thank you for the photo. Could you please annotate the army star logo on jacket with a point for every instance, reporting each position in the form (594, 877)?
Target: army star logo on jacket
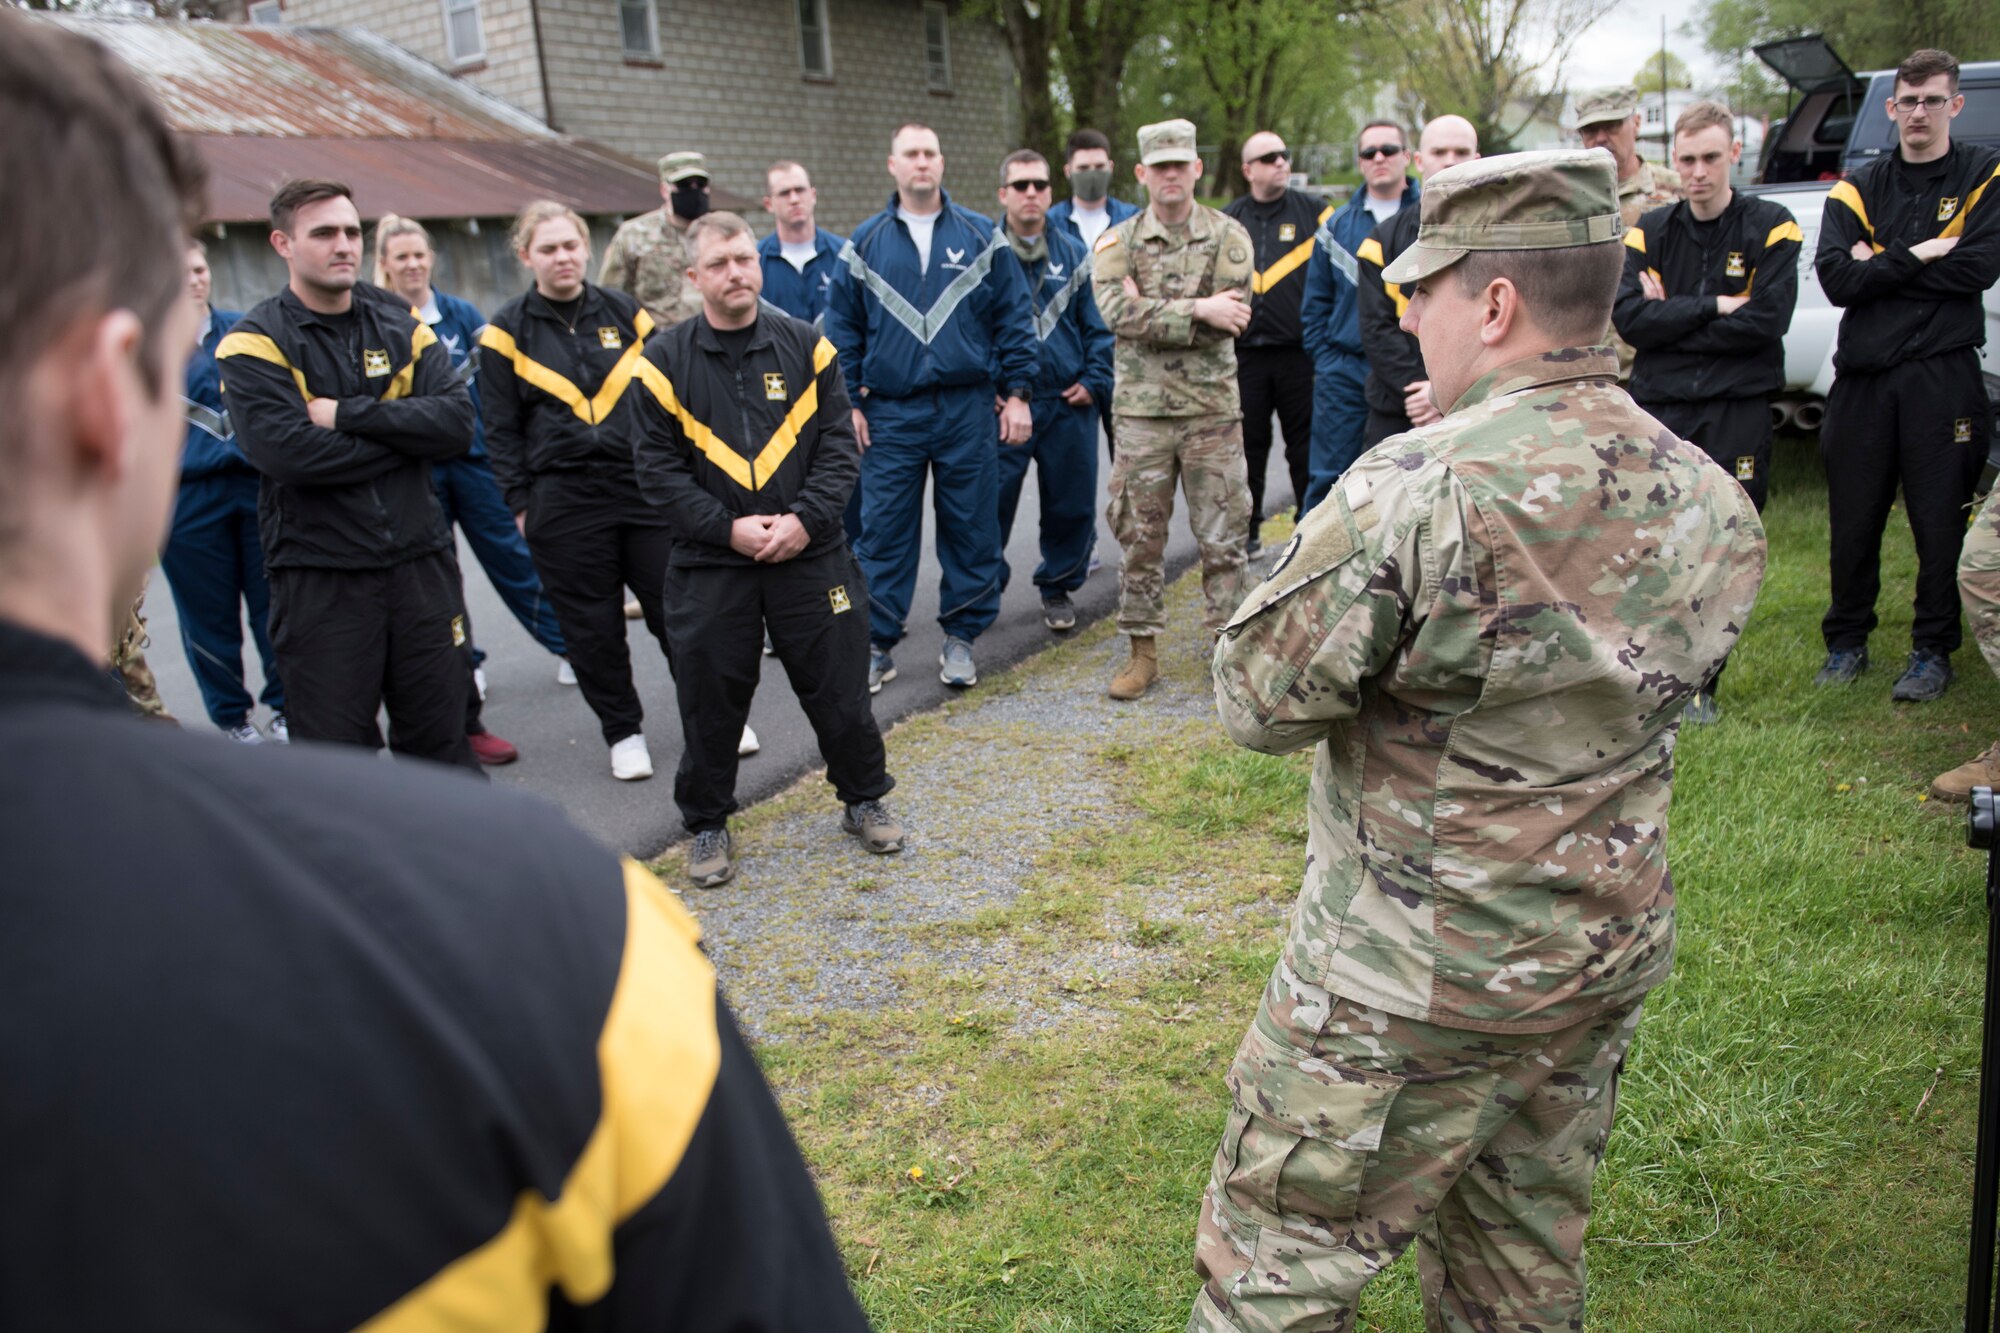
(837, 598)
(374, 363)
(1946, 208)
(1287, 231)
(1961, 431)
(1734, 268)
(609, 338)
(774, 387)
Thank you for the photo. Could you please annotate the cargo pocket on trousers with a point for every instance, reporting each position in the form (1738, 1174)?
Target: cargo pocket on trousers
(1304, 1133)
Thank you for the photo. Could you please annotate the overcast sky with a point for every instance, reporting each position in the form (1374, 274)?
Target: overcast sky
(1629, 36)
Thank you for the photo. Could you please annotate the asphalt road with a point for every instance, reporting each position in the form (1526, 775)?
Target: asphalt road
(563, 756)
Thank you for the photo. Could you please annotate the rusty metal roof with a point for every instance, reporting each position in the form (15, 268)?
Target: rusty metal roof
(265, 104)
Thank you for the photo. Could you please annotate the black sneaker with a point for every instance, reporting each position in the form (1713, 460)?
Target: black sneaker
(1924, 679)
(1843, 665)
(1058, 613)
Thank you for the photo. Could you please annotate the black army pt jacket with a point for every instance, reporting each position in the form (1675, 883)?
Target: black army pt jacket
(1281, 241)
(1685, 351)
(300, 1040)
(1898, 307)
(552, 388)
(357, 496)
(771, 435)
(1394, 358)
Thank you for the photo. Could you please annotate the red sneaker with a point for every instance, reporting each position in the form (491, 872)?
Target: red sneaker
(490, 749)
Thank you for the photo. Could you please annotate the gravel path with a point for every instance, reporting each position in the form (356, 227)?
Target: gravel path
(812, 924)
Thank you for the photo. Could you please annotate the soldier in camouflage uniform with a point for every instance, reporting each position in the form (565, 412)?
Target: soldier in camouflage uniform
(1170, 283)
(1979, 589)
(1489, 629)
(1608, 118)
(647, 257)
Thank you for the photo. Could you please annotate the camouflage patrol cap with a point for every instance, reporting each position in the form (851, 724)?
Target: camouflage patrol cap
(685, 165)
(1597, 105)
(1517, 201)
(1167, 141)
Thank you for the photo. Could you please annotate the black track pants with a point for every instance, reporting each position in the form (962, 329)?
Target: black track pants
(816, 609)
(1275, 379)
(592, 537)
(349, 641)
(1922, 425)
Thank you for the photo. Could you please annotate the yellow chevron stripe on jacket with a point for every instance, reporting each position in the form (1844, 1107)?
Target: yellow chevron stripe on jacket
(1289, 262)
(1635, 240)
(591, 410)
(744, 472)
(262, 348)
(406, 378)
(657, 1058)
(1849, 198)
(1956, 227)
(1785, 231)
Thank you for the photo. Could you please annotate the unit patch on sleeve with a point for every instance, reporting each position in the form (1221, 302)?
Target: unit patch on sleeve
(609, 338)
(838, 598)
(774, 387)
(374, 363)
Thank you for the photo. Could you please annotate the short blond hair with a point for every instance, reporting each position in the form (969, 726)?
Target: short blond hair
(1702, 115)
(720, 223)
(535, 214)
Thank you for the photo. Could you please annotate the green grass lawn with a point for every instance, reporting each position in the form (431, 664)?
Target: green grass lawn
(1794, 1144)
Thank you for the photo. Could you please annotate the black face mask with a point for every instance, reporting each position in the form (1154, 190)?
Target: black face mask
(689, 202)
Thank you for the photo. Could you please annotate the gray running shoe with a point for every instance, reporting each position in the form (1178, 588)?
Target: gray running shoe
(881, 668)
(1843, 665)
(709, 865)
(245, 733)
(1058, 612)
(1925, 678)
(871, 822)
(955, 666)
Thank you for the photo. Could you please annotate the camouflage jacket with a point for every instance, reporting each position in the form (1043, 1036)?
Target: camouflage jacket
(1490, 628)
(1979, 581)
(1166, 362)
(1650, 187)
(648, 259)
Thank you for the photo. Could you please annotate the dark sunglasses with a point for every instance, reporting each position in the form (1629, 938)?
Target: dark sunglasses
(1380, 150)
(1273, 159)
(1025, 186)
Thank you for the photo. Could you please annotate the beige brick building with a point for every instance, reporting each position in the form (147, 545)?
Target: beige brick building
(746, 81)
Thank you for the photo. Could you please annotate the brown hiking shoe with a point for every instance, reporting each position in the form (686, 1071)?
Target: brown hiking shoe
(1956, 786)
(871, 822)
(1139, 672)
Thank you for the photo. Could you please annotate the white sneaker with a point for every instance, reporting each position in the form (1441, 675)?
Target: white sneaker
(245, 734)
(748, 745)
(565, 673)
(630, 760)
(281, 730)
(479, 682)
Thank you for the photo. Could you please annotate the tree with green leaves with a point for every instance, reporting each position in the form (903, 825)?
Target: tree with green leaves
(1867, 34)
(1651, 78)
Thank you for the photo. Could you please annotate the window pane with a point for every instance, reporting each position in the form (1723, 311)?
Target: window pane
(636, 21)
(814, 57)
(937, 47)
(463, 35)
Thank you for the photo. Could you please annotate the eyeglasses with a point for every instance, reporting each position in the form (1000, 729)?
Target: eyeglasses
(1273, 159)
(1380, 150)
(1933, 103)
(1029, 186)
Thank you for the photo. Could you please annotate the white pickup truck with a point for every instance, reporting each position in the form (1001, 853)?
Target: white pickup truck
(1809, 344)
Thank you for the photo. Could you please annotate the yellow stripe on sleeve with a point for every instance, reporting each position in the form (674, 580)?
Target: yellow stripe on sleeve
(1848, 197)
(261, 347)
(657, 1057)
(1371, 250)
(823, 354)
(1956, 227)
(1785, 231)
(1635, 240)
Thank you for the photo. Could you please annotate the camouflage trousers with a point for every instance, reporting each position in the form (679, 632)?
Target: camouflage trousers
(1354, 1132)
(1206, 455)
(128, 658)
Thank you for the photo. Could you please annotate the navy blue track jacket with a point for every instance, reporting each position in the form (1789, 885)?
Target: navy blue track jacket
(800, 295)
(1075, 342)
(902, 331)
(211, 446)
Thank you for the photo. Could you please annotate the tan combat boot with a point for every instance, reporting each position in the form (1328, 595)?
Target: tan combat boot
(1139, 672)
(1956, 786)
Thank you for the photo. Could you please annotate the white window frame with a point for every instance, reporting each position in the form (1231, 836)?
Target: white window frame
(824, 33)
(452, 51)
(651, 50)
(266, 13)
(937, 75)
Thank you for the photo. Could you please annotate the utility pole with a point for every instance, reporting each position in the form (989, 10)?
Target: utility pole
(1666, 129)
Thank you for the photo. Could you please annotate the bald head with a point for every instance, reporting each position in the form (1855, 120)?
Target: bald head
(1446, 142)
(1266, 179)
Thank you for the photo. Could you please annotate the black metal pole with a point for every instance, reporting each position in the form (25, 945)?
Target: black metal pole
(1983, 832)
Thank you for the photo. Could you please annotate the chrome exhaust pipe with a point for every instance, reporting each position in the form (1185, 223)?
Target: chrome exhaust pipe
(1782, 412)
(1810, 414)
